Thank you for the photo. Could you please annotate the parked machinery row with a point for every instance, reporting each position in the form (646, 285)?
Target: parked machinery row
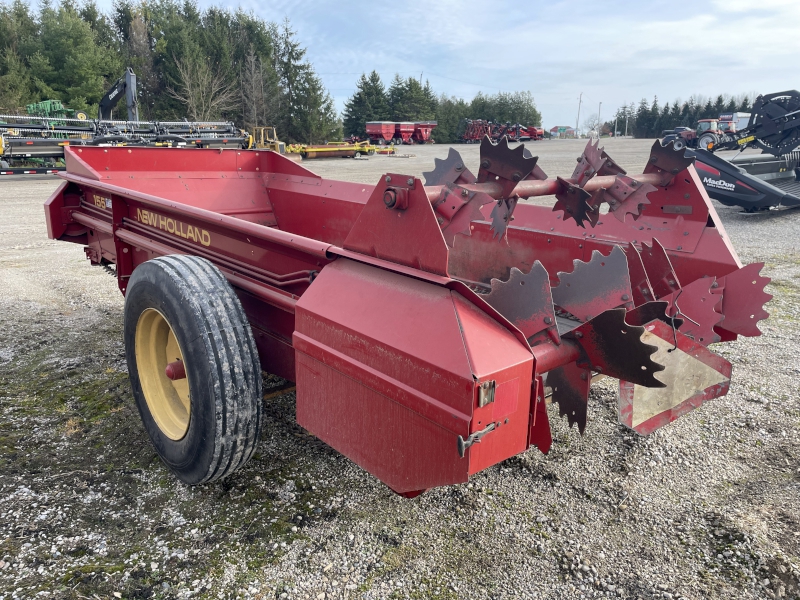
(476, 129)
(398, 133)
(28, 139)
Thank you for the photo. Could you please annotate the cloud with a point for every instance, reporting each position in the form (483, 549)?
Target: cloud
(614, 52)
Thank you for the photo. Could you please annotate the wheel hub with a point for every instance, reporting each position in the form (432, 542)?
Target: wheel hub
(157, 351)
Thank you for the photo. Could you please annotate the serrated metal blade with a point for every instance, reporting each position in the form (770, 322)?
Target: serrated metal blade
(640, 284)
(575, 202)
(697, 304)
(525, 300)
(743, 300)
(595, 286)
(615, 348)
(659, 269)
(570, 384)
(667, 161)
(449, 170)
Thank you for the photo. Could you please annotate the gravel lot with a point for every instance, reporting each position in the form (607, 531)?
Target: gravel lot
(708, 507)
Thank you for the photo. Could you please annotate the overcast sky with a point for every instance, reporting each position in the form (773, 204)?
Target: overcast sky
(612, 51)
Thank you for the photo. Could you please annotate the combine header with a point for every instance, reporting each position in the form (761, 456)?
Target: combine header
(423, 322)
(754, 181)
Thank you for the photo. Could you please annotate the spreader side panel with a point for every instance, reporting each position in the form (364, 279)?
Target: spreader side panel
(383, 375)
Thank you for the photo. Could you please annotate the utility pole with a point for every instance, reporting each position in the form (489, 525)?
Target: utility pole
(626, 120)
(580, 99)
(615, 127)
(599, 120)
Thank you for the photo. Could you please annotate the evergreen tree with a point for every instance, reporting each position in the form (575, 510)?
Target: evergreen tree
(15, 83)
(745, 105)
(642, 127)
(450, 115)
(368, 103)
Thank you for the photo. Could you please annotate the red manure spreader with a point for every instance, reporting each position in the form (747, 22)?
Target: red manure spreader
(423, 322)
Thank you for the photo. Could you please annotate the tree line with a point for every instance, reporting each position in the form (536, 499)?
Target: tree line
(410, 100)
(190, 63)
(649, 119)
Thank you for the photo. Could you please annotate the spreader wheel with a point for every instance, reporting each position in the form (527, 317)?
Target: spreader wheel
(193, 367)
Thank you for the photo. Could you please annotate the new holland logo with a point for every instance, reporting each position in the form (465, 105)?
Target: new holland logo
(720, 184)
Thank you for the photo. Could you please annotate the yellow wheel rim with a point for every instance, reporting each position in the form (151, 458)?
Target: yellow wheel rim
(168, 400)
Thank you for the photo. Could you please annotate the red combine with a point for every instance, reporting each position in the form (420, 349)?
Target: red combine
(423, 322)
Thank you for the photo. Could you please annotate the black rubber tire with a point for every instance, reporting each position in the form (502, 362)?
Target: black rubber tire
(221, 361)
(704, 140)
(679, 144)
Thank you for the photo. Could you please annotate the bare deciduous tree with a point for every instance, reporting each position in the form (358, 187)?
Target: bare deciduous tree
(205, 91)
(258, 92)
(592, 123)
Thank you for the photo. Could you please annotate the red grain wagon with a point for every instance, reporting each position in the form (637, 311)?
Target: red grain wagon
(380, 132)
(403, 132)
(422, 131)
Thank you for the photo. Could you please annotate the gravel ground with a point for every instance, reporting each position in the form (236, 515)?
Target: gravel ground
(706, 507)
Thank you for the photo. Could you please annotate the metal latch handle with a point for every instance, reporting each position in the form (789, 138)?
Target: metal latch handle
(474, 438)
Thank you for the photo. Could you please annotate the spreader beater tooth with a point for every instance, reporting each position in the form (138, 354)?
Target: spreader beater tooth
(537, 174)
(456, 208)
(570, 390)
(525, 300)
(615, 348)
(594, 161)
(595, 286)
(667, 162)
(449, 170)
(626, 196)
(504, 165)
(697, 304)
(502, 215)
(640, 284)
(743, 300)
(576, 203)
(659, 269)
(588, 163)
(652, 311)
